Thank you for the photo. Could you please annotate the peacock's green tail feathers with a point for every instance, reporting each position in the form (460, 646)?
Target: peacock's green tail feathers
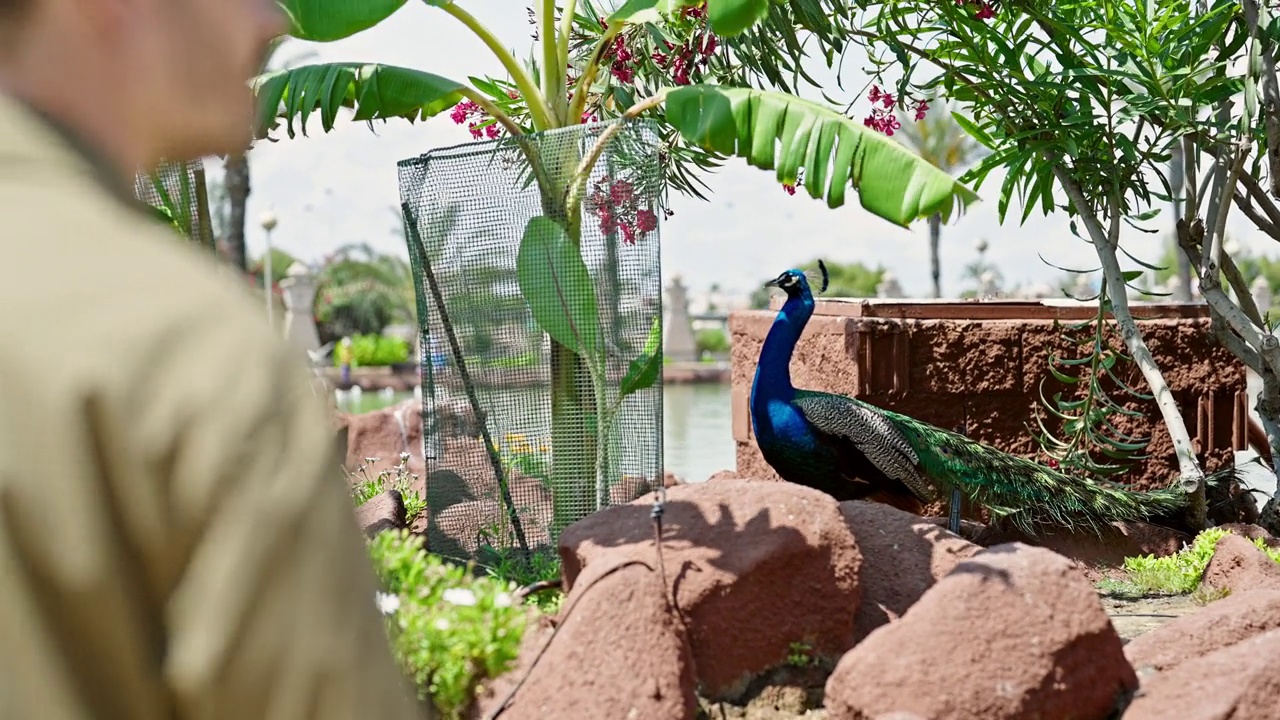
(1023, 491)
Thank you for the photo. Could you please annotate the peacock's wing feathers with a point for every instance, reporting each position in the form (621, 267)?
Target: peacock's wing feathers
(871, 433)
(1022, 490)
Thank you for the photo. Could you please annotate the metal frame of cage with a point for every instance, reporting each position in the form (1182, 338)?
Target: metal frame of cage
(455, 200)
(169, 177)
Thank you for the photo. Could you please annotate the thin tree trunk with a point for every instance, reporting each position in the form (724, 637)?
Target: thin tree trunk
(236, 181)
(1268, 408)
(935, 264)
(1105, 243)
(1176, 179)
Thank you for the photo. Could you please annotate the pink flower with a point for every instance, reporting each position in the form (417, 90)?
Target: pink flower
(462, 111)
(646, 220)
(621, 192)
(709, 45)
(623, 72)
(791, 189)
(921, 108)
(882, 120)
(985, 12)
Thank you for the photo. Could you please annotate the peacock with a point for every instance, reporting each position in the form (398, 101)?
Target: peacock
(853, 450)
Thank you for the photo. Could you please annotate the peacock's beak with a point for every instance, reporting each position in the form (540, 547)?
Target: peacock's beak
(776, 282)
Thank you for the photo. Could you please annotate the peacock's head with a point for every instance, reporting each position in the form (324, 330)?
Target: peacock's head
(796, 282)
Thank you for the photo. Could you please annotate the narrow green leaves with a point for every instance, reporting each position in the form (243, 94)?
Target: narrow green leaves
(373, 91)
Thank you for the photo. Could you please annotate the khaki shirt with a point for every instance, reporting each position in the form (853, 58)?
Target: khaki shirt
(176, 537)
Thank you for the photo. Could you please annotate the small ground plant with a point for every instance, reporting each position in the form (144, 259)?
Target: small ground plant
(364, 488)
(450, 629)
(1176, 574)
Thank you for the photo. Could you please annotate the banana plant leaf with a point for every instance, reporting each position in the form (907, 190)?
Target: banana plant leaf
(773, 130)
(329, 20)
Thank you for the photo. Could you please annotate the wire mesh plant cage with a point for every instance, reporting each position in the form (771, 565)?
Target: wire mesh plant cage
(540, 331)
(177, 191)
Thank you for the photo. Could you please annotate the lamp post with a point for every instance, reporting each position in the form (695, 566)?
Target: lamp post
(269, 222)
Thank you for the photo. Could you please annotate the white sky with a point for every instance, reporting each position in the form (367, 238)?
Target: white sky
(329, 190)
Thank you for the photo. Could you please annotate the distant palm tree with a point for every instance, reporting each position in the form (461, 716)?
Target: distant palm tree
(945, 145)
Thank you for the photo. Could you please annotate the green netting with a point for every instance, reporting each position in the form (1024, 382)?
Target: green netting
(486, 244)
(177, 190)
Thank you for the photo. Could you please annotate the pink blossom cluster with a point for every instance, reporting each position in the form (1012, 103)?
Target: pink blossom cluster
(984, 9)
(882, 117)
(470, 113)
(679, 60)
(616, 205)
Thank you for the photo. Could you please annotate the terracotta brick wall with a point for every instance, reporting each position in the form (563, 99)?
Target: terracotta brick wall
(984, 373)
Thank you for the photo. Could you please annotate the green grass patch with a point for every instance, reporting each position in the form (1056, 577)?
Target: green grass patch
(1176, 574)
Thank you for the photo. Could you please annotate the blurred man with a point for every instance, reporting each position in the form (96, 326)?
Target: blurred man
(176, 540)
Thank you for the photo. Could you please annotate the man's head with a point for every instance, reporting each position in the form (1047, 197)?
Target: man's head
(143, 79)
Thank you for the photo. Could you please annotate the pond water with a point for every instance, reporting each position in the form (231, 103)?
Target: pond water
(697, 428)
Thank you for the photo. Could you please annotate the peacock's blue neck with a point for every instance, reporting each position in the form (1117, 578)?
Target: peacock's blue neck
(773, 373)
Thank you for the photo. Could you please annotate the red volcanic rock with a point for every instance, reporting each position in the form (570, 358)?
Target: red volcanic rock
(1221, 623)
(621, 653)
(754, 566)
(1239, 681)
(1014, 632)
(903, 555)
(1238, 565)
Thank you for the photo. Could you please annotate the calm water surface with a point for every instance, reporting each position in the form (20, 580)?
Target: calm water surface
(697, 430)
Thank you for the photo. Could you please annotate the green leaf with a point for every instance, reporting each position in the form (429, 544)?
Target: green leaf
(374, 91)
(775, 130)
(973, 130)
(639, 11)
(557, 285)
(1131, 275)
(733, 17)
(329, 20)
(727, 17)
(645, 369)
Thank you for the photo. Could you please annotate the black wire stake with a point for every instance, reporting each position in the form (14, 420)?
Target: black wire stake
(415, 245)
(659, 504)
(953, 516)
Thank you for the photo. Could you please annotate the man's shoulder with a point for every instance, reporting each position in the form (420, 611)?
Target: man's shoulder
(97, 277)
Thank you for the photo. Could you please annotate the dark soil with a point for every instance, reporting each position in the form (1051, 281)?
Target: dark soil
(784, 693)
(795, 693)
